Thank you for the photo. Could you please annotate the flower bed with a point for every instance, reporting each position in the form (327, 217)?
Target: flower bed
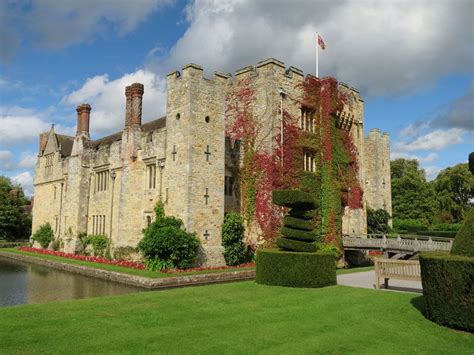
(94, 259)
(128, 264)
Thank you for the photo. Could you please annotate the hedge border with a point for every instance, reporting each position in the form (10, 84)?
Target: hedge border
(448, 289)
(295, 269)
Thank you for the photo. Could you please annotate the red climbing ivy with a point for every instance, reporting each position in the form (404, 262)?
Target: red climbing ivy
(335, 183)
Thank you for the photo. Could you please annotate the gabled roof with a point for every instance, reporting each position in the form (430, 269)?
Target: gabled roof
(146, 127)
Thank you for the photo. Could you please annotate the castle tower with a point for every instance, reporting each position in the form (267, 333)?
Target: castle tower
(195, 154)
(378, 183)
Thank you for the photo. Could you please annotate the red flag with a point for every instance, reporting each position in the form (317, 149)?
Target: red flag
(321, 42)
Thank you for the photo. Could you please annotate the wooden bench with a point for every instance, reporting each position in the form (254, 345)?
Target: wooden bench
(396, 269)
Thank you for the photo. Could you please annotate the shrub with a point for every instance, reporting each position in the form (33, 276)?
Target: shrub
(295, 269)
(44, 235)
(156, 264)
(291, 244)
(444, 234)
(57, 244)
(464, 241)
(448, 227)
(297, 223)
(296, 230)
(83, 243)
(409, 225)
(448, 289)
(166, 240)
(99, 244)
(293, 198)
(235, 251)
(377, 221)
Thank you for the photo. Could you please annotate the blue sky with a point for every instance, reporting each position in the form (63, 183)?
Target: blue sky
(413, 62)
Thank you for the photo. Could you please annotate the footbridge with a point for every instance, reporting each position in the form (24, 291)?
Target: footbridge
(397, 246)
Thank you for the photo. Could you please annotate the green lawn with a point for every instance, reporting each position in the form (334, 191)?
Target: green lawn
(238, 317)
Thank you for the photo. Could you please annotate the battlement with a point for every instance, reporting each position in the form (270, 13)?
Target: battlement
(262, 67)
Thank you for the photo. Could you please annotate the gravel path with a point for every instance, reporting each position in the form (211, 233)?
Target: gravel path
(367, 280)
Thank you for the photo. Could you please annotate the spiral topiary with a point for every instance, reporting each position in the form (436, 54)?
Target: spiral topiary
(297, 233)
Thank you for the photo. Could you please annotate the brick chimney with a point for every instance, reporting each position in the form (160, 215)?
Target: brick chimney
(136, 91)
(128, 106)
(83, 118)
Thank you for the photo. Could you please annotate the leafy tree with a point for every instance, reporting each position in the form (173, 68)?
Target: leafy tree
(454, 188)
(14, 222)
(412, 196)
(377, 221)
(167, 243)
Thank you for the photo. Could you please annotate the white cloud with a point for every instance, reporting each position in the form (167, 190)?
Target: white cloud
(58, 24)
(435, 140)
(380, 47)
(25, 179)
(6, 160)
(402, 155)
(107, 99)
(27, 160)
(22, 125)
(431, 172)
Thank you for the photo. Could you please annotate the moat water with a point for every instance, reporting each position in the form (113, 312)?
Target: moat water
(25, 283)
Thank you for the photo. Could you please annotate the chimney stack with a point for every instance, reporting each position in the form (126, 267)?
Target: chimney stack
(128, 106)
(136, 91)
(83, 118)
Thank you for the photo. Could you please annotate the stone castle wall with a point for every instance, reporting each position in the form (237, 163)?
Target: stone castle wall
(191, 157)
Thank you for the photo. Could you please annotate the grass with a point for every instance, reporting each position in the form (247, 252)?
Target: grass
(241, 317)
(145, 273)
(355, 269)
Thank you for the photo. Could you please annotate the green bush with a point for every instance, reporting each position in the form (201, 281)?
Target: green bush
(99, 244)
(84, 241)
(57, 244)
(44, 235)
(377, 221)
(464, 241)
(235, 251)
(295, 269)
(293, 198)
(297, 234)
(166, 240)
(291, 244)
(448, 227)
(409, 225)
(124, 253)
(444, 234)
(297, 223)
(448, 289)
(156, 264)
(302, 214)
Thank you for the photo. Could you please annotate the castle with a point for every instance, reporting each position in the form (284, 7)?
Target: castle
(111, 185)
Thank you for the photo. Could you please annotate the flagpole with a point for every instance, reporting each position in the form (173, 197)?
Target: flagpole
(317, 55)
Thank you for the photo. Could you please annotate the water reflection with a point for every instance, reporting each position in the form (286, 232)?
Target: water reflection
(22, 283)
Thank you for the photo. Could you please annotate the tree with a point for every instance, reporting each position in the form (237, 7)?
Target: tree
(454, 188)
(15, 224)
(412, 196)
(377, 221)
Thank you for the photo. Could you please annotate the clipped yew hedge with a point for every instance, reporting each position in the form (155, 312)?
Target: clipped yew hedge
(448, 289)
(295, 269)
(291, 244)
(297, 223)
(464, 242)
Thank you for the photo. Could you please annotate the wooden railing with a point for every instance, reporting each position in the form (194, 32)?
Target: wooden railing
(396, 269)
(399, 243)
